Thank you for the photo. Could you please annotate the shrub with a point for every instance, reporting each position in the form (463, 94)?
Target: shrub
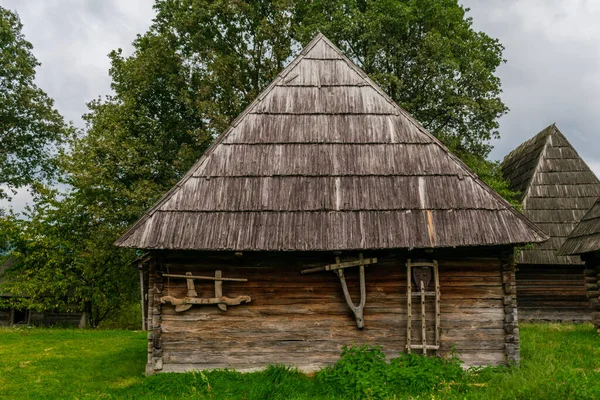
(362, 372)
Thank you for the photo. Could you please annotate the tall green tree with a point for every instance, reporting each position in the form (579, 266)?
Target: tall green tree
(61, 261)
(30, 127)
(198, 66)
(426, 55)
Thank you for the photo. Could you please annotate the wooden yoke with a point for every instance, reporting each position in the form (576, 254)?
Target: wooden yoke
(338, 268)
(192, 296)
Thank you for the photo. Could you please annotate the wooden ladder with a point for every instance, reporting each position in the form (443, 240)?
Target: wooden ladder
(422, 293)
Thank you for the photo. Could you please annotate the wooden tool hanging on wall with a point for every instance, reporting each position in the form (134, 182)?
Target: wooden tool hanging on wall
(421, 273)
(192, 298)
(338, 268)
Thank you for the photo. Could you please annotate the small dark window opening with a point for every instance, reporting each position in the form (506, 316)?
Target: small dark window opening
(19, 316)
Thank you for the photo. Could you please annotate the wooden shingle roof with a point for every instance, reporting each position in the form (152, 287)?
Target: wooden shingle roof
(585, 238)
(324, 160)
(557, 189)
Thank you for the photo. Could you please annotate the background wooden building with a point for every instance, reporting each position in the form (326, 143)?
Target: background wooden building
(585, 242)
(557, 189)
(10, 315)
(323, 171)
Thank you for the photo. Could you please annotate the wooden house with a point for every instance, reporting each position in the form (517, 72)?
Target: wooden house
(327, 216)
(557, 188)
(584, 241)
(10, 315)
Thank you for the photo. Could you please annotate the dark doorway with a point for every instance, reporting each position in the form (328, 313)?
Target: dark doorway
(19, 316)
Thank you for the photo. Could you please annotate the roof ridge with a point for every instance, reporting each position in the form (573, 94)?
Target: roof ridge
(513, 153)
(538, 162)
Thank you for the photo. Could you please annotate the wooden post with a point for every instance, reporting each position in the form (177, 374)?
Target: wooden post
(591, 278)
(511, 342)
(438, 312)
(408, 308)
(423, 316)
(141, 268)
(191, 288)
(155, 361)
(219, 289)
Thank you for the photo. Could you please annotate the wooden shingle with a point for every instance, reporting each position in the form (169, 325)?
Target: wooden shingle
(585, 238)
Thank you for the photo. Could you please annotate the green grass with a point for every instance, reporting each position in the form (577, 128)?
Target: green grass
(557, 362)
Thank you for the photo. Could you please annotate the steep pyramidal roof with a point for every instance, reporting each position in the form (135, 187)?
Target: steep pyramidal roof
(585, 237)
(324, 160)
(557, 189)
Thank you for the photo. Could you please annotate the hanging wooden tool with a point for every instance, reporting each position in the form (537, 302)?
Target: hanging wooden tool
(338, 268)
(192, 298)
(421, 273)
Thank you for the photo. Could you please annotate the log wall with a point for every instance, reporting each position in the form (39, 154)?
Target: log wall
(592, 286)
(304, 321)
(47, 318)
(552, 293)
(55, 318)
(5, 317)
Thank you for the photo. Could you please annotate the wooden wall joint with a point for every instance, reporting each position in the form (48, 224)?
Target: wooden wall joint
(155, 355)
(592, 282)
(511, 324)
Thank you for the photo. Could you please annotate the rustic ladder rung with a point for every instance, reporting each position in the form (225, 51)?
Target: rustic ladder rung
(423, 264)
(418, 294)
(428, 346)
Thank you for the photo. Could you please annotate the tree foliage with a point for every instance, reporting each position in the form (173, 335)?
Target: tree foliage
(198, 66)
(30, 127)
(426, 56)
(61, 262)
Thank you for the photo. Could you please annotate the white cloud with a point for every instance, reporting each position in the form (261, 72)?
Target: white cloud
(72, 40)
(552, 72)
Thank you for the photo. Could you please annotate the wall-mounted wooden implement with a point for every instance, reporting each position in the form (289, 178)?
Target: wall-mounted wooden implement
(421, 273)
(338, 268)
(192, 298)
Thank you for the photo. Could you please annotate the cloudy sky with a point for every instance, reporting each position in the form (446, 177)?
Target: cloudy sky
(552, 72)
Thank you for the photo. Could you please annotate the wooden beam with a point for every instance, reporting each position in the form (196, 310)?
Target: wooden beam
(438, 313)
(341, 265)
(206, 278)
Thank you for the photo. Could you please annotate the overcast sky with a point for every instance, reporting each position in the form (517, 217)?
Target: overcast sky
(552, 72)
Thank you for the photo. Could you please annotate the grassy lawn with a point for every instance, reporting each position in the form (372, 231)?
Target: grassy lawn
(557, 362)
